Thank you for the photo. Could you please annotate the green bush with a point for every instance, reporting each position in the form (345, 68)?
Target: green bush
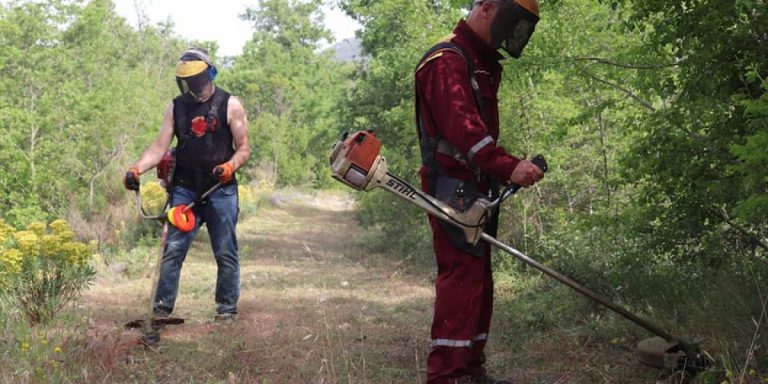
(42, 268)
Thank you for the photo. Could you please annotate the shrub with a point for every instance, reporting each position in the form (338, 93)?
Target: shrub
(42, 268)
(154, 197)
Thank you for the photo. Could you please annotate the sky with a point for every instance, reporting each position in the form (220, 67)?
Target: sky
(220, 18)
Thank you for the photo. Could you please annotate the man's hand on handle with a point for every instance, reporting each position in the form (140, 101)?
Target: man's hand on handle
(526, 173)
(224, 172)
(131, 179)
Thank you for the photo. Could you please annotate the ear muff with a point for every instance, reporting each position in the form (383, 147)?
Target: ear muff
(212, 72)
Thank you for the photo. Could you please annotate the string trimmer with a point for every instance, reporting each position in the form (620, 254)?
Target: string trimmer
(356, 162)
(182, 217)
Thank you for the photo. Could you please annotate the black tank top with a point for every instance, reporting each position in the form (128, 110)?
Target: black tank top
(203, 141)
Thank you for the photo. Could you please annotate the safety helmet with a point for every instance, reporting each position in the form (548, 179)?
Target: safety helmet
(194, 73)
(513, 25)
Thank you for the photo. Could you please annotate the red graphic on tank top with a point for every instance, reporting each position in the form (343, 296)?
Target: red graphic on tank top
(200, 126)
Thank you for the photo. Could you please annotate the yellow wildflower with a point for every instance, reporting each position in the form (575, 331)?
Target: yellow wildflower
(50, 245)
(37, 227)
(244, 193)
(5, 231)
(10, 261)
(57, 349)
(58, 226)
(75, 253)
(28, 242)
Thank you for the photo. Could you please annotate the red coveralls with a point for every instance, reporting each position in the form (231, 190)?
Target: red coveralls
(464, 285)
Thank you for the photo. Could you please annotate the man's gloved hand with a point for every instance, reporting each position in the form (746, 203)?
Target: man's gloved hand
(131, 179)
(526, 174)
(224, 172)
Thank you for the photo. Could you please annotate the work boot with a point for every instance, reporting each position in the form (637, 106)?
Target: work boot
(225, 318)
(485, 379)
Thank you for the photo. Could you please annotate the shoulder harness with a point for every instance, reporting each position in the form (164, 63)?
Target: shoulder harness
(430, 146)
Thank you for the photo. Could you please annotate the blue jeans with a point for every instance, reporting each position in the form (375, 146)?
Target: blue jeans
(219, 213)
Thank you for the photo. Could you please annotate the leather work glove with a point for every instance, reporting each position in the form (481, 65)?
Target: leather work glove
(224, 172)
(131, 179)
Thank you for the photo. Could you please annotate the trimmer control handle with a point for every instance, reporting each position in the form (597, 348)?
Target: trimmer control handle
(538, 161)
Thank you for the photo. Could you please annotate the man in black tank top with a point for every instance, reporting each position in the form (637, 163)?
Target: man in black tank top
(211, 129)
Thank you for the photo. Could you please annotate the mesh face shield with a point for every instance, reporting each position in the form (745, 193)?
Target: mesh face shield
(512, 27)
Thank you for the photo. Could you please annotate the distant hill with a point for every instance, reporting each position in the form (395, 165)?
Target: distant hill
(347, 50)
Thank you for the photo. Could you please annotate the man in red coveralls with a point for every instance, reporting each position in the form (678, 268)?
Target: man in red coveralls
(457, 114)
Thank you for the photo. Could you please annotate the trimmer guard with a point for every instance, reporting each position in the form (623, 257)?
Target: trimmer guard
(658, 352)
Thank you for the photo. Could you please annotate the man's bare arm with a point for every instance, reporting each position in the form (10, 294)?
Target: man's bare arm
(238, 124)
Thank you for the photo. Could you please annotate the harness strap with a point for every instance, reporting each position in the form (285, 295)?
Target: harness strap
(436, 144)
(430, 146)
(213, 112)
(212, 117)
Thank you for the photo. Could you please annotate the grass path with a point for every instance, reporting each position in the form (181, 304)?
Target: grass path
(316, 308)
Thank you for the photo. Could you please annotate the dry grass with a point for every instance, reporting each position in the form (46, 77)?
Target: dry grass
(315, 308)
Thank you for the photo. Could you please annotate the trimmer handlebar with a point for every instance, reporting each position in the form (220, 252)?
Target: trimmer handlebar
(143, 213)
(538, 161)
(164, 215)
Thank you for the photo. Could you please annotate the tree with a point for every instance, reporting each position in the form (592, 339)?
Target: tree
(700, 150)
(288, 86)
(80, 82)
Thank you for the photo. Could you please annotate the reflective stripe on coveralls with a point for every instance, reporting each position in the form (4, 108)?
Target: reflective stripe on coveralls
(486, 141)
(458, 343)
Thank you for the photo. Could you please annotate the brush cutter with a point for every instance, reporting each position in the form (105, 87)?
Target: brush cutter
(356, 162)
(181, 217)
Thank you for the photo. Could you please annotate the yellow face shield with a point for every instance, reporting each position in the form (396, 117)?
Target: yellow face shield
(190, 68)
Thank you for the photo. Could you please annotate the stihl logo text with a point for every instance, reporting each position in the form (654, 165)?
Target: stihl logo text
(403, 189)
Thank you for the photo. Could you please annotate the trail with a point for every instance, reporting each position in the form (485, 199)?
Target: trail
(316, 307)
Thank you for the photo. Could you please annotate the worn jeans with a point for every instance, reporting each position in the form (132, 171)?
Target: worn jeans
(219, 213)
